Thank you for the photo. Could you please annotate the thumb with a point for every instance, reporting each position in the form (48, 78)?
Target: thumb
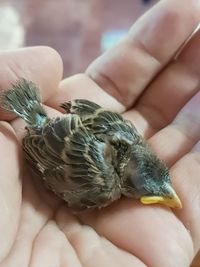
(41, 65)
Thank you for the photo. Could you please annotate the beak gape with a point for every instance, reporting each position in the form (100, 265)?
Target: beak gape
(172, 201)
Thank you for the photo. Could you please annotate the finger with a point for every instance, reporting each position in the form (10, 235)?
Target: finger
(178, 138)
(34, 215)
(51, 248)
(42, 65)
(90, 247)
(180, 141)
(10, 188)
(127, 69)
(187, 183)
(82, 87)
(148, 232)
(170, 90)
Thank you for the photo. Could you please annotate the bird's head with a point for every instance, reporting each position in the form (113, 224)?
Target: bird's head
(147, 178)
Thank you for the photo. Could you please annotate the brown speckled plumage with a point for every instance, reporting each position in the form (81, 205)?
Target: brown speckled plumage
(89, 157)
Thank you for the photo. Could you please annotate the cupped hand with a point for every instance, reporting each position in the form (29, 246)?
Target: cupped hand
(159, 92)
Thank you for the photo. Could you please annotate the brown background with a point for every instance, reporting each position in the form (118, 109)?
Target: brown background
(75, 27)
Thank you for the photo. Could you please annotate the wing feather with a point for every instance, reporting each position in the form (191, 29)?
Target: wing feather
(74, 164)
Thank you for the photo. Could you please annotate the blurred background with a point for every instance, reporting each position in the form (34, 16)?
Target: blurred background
(80, 30)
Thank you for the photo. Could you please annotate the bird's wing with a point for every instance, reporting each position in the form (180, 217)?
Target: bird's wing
(37, 154)
(81, 107)
(43, 148)
(73, 163)
(89, 177)
(113, 127)
(102, 121)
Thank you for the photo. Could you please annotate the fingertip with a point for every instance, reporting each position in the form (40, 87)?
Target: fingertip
(42, 65)
(81, 86)
(50, 72)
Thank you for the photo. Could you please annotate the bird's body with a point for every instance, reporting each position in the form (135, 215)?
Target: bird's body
(90, 156)
(78, 156)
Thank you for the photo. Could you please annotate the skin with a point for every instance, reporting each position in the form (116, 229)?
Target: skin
(161, 97)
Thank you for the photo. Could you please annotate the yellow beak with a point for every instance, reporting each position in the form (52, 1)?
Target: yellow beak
(173, 201)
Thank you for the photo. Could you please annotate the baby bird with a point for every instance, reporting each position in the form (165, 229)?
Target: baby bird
(91, 156)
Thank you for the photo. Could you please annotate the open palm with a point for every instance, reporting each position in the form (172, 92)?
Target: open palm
(141, 79)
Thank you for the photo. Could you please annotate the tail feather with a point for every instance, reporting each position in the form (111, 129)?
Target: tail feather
(24, 100)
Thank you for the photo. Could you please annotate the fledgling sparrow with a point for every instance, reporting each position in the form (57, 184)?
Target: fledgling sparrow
(91, 156)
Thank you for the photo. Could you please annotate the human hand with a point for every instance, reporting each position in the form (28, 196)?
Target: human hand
(160, 96)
